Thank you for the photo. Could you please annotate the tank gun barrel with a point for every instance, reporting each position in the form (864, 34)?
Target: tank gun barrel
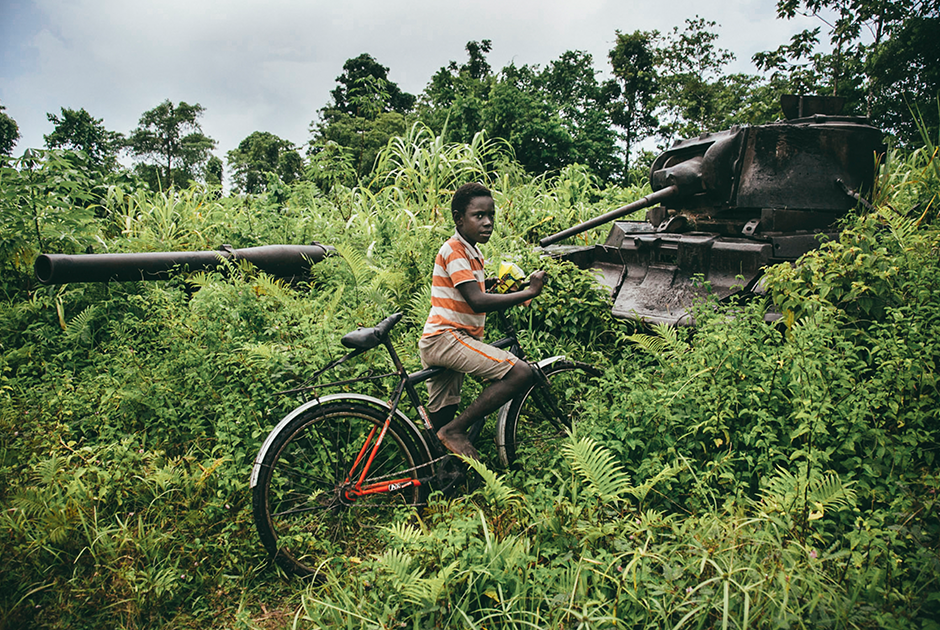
(639, 204)
(277, 260)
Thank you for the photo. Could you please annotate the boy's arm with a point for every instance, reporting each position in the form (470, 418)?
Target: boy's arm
(482, 302)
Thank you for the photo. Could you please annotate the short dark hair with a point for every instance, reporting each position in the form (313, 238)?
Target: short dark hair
(464, 195)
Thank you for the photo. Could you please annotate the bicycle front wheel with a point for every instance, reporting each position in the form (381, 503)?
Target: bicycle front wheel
(531, 428)
(305, 502)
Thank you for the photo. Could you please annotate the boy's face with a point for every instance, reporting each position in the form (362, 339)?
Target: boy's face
(476, 224)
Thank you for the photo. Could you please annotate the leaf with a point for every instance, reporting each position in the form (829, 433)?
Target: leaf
(604, 479)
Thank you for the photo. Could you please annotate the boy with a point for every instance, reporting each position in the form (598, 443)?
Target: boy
(454, 329)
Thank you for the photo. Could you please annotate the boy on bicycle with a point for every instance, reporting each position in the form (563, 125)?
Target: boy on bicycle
(454, 329)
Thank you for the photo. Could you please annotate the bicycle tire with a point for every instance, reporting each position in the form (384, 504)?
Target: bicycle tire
(300, 508)
(525, 434)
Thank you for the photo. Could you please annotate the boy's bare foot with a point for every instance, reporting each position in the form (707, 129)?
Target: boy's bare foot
(457, 442)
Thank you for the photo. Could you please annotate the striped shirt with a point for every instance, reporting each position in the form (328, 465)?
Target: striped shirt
(457, 262)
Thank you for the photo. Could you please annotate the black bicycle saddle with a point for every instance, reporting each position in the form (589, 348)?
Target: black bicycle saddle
(368, 338)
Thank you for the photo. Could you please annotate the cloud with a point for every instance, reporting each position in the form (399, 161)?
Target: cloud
(270, 65)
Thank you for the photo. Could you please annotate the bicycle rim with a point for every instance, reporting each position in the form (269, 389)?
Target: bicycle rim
(529, 437)
(302, 511)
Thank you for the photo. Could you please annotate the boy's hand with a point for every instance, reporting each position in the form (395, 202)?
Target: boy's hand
(537, 281)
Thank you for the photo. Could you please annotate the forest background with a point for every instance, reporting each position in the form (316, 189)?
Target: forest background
(777, 476)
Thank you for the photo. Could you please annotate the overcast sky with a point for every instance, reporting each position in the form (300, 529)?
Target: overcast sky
(269, 66)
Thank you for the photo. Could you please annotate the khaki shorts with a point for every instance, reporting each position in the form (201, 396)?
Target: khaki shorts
(461, 354)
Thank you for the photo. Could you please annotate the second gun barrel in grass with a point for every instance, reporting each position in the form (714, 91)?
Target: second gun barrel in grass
(277, 260)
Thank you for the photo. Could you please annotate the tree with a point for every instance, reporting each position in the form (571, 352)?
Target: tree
(9, 133)
(884, 60)
(518, 112)
(366, 111)
(585, 107)
(360, 139)
(170, 142)
(690, 80)
(262, 153)
(214, 171)
(454, 100)
(633, 59)
(793, 67)
(80, 131)
(551, 117)
(365, 81)
(905, 77)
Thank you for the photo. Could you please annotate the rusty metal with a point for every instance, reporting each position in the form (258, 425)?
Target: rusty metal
(731, 203)
(278, 260)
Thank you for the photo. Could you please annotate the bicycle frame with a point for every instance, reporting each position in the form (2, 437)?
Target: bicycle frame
(355, 480)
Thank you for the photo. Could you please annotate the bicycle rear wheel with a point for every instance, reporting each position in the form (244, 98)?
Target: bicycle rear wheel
(301, 501)
(528, 433)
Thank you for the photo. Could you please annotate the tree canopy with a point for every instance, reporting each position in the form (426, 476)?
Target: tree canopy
(170, 144)
(633, 59)
(882, 56)
(365, 90)
(884, 60)
(9, 133)
(258, 155)
(79, 130)
(366, 111)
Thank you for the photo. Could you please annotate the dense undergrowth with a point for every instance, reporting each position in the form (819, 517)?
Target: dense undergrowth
(741, 474)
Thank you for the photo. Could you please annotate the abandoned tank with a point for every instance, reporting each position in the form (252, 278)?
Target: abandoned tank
(725, 205)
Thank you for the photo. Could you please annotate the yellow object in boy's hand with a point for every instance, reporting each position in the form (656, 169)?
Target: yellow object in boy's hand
(510, 277)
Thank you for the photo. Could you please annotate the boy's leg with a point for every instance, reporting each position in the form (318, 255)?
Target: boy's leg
(442, 416)
(454, 434)
(463, 354)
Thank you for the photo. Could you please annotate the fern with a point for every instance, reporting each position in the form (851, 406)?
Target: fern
(494, 490)
(405, 533)
(79, 325)
(368, 278)
(605, 480)
(418, 305)
(664, 343)
(410, 582)
(275, 287)
(643, 489)
(791, 494)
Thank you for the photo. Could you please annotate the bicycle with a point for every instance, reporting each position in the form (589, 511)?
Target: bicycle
(345, 463)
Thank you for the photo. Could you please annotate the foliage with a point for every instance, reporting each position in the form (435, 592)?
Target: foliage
(367, 110)
(690, 80)
(262, 153)
(559, 559)
(169, 141)
(883, 58)
(44, 205)
(363, 81)
(9, 133)
(773, 467)
(423, 170)
(354, 142)
(634, 64)
(905, 73)
(552, 117)
(80, 131)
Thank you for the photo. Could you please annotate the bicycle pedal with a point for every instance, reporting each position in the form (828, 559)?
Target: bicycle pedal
(451, 472)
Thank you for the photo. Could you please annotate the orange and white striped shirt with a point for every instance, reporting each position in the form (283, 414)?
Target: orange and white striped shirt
(457, 262)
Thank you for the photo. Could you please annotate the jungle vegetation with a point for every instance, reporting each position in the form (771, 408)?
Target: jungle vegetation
(739, 474)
